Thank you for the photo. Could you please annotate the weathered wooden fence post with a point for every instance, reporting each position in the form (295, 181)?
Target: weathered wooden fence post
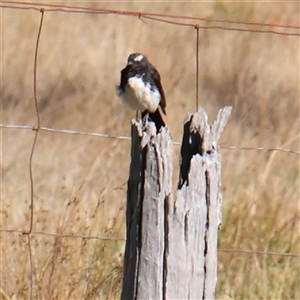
(171, 247)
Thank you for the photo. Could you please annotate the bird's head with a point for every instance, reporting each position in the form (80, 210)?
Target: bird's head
(137, 59)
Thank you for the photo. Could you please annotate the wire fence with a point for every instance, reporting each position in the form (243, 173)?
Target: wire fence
(193, 22)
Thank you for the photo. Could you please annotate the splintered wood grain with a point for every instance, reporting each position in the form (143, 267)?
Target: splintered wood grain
(171, 247)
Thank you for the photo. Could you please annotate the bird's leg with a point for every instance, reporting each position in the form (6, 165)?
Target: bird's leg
(145, 117)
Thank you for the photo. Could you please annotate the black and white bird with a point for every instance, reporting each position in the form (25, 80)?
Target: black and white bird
(140, 88)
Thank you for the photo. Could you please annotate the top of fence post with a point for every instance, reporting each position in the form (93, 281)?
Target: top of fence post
(195, 215)
(149, 185)
(171, 248)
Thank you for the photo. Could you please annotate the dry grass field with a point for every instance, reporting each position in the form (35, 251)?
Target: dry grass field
(80, 181)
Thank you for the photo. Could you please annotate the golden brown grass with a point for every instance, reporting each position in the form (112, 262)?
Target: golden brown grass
(80, 181)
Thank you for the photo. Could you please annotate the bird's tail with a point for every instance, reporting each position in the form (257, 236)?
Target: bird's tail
(155, 117)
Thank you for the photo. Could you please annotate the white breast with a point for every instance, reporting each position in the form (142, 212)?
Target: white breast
(139, 96)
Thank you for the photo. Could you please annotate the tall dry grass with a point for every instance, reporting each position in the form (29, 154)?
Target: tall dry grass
(80, 181)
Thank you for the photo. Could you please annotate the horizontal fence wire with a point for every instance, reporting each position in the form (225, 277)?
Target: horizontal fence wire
(87, 237)
(178, 20)
(165, 18)
(128, 138)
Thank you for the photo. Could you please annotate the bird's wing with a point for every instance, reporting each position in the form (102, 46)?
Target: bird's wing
(156, 78)
(124, 78)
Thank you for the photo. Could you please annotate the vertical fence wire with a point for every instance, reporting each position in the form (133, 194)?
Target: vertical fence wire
(36, 129)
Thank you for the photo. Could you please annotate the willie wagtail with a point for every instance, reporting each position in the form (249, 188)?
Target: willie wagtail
(140, 88)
